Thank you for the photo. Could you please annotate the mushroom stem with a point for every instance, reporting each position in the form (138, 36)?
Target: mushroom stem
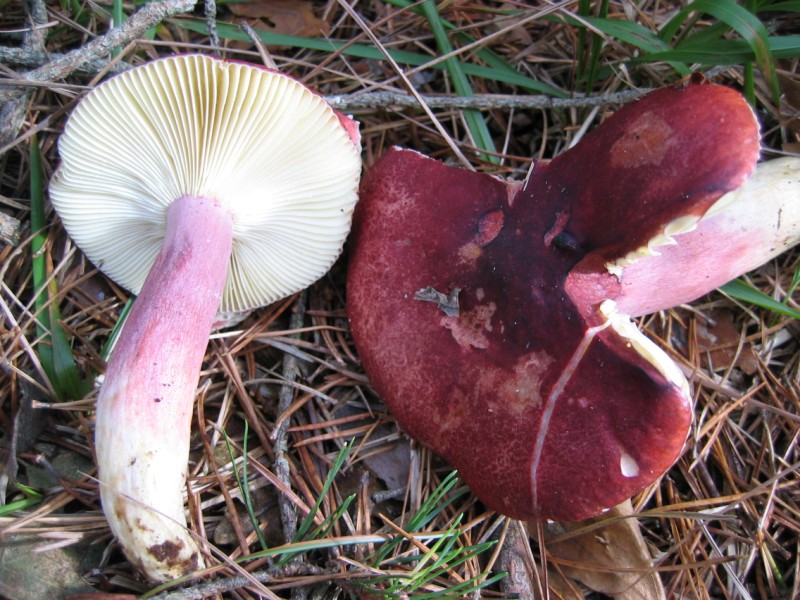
(744, 229)
(145, 405)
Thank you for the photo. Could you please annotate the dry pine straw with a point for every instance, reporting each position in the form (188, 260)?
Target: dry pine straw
(726, 513)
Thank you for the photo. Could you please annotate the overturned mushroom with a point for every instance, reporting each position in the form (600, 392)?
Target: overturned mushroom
(539, 388)
(202, 186)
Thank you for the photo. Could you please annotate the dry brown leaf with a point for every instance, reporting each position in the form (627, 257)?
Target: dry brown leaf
(287, 17)
(612, 558)
(518, 35)
(718, 340)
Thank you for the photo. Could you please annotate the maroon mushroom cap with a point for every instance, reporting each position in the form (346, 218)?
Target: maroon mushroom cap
(517, 370)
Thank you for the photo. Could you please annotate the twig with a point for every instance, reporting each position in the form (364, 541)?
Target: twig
(266, 59)
(148, 16)
(211, 24)
(219, 586)
(479, 101)
(515, 558)
(285, 398)
(37, 12)
(12, 114)
(288, 510)
(35, 57)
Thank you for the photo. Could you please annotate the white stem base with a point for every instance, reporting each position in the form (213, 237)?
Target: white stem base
(145, 405)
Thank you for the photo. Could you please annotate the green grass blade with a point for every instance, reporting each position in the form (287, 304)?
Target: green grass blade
(629, 32)
(749, 74)
(118, 18)
(479, 130)
(54, 349)
(32, 499)
(594, 56)
(440, 559)
(637, 36)
(12, 507)
(581, 64)
(464, 589)
(234, 33)
(493, 61)
(788, 6)
(754, 33)
(740, 290)
(744, 23)
(431, 507)
(795, 282)
(248, 500)
(724, 52)
(39, 270)
(324, 528)
(337, 465)
(432, 561)
(108, 347)
(241, 482)
(327, 524)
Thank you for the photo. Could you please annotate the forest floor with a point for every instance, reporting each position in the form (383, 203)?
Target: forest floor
(388, 518)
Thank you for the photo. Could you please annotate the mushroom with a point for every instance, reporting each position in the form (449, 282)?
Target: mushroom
(492, 316)
(203, 186)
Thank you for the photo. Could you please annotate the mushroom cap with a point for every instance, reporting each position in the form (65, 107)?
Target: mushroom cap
(550, 403)
(274, 153)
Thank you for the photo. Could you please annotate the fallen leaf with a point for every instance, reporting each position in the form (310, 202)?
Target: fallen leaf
(718, 340)
(518, 35)
(287, 17)
(607, 554)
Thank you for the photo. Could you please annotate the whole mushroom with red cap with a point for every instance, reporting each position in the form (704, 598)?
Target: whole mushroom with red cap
(203, 186)
(493, 316)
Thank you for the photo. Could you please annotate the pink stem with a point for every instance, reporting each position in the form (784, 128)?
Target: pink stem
(145, 405)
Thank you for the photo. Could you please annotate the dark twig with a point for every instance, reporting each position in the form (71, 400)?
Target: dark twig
(219, 586)
(290, 372)
(30, 58)
(148, 16)
(480, 101)
(12, 114)
(211, 24)
(516, 560)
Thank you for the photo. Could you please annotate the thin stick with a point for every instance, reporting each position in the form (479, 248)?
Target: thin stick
(227, 584)
(148, 16)
(285, 399)
(479, 101)
(34, 57)
(288, 510)
(211, 25)
(12, 113)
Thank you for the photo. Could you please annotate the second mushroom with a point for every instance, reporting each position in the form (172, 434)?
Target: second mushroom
(203, 186)
(494, 317)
